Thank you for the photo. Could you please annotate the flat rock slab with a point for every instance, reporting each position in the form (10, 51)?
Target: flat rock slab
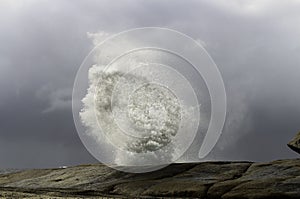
(294, 144)
(277, 179)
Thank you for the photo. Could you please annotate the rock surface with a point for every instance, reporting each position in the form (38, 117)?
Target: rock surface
(278, 179)
(294, 144)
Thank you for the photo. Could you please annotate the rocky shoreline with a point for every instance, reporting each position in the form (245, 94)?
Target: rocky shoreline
(277, 179)
(207, 180)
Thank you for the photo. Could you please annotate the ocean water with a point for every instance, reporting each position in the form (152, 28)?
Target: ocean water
(6, 171)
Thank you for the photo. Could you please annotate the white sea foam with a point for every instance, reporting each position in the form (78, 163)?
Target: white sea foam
(133, 114)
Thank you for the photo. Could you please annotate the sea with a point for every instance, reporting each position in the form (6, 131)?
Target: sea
(6, 171)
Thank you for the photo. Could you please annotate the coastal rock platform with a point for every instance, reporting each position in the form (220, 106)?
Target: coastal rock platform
(277, 179)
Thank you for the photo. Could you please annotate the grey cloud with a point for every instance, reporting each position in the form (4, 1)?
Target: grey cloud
(58, 99)
(44, 42)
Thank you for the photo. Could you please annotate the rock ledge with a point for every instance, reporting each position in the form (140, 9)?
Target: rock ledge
(277, 179)
(294, 144)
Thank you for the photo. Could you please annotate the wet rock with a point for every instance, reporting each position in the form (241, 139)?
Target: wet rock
(294, 144)
(278, 179)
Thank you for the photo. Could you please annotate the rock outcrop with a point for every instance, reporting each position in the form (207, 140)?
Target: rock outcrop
(278, 179)
(294, 144)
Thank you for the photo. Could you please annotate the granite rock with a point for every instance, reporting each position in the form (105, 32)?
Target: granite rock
(294, 144)
(277, 179)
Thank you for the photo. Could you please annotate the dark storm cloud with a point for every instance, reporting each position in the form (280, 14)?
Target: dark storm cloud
(255, 44)
(41, 49)
(258, 59)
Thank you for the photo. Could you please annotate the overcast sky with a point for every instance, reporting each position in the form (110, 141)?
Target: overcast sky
(255, 44)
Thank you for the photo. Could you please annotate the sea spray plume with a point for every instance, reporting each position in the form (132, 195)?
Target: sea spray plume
(153, 112)
(163, 57)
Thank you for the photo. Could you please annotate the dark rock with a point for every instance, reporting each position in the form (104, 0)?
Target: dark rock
(295, 143)
(278, 179)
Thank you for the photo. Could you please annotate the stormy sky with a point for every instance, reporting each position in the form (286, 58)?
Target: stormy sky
(255, 44)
